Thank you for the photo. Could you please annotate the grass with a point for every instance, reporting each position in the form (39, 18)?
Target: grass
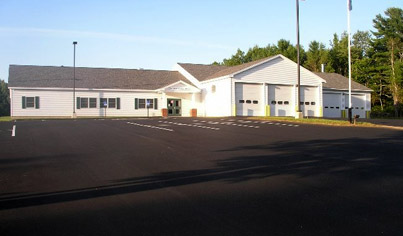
(5, 118)
(316, 121)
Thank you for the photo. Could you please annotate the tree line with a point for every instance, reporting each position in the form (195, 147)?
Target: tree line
(377, 59)
(4, 99)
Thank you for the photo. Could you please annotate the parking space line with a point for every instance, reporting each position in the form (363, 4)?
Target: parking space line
(150, 126)
(13, 131)
(190, 125)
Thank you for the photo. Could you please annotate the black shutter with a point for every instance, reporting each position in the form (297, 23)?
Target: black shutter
(36, 102)
(117, 103)
(78, 103)
(155, 103)
(136, 103)
(23, 103)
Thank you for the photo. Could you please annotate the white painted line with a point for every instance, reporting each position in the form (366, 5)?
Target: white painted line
(283, 124)
(13, 132)
(150, 126)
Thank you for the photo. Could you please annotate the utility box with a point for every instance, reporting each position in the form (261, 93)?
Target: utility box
(164, 112)
(193, 112)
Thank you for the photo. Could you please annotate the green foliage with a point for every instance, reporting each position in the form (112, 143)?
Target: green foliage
(316, 56)
(4, 99)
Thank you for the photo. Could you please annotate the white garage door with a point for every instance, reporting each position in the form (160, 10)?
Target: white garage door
(332, 105)
(358, 104)
(248, 98)
(309, 100)
(280, 100)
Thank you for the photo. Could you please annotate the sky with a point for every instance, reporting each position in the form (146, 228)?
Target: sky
(156, 34)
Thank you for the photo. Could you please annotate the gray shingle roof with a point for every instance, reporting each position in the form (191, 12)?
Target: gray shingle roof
(97, 78)
(206, 72)
(337, 81)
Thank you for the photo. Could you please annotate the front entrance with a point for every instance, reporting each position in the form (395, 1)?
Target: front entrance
(174, 107)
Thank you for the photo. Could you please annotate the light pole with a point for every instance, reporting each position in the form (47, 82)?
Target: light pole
(74, 80)
(298, 114)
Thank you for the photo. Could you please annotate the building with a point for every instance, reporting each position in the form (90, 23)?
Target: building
(265, 87)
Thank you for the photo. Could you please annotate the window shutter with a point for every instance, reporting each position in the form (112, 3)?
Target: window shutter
(78, 103)
(155, 103)
(23, 103)
(36, 102)
(136, 103)
(117, 103)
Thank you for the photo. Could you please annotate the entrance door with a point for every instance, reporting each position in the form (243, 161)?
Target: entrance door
(174, 107)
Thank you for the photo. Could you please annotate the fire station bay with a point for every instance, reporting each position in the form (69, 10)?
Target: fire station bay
(266, 87)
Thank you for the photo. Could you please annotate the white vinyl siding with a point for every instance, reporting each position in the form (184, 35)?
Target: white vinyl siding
(278, 71)
(59, 103)
(216, 97)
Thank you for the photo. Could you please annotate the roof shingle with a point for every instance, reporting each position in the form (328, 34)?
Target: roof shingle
(96, 78)
(337, 81)
(206, 72)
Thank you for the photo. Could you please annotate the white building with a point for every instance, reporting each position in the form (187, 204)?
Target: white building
(266, 87)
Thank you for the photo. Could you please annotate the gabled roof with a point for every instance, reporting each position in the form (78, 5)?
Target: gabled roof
(339, 82)
(93, 78)
(206, 72)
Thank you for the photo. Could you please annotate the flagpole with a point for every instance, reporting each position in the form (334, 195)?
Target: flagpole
(349, 8)
(298, 114)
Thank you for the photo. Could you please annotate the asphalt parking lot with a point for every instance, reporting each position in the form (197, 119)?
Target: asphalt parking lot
(198, 176)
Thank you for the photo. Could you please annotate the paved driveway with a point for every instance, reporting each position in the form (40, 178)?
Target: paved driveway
(199, 176)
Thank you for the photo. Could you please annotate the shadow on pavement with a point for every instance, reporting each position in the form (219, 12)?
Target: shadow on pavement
(354, 159)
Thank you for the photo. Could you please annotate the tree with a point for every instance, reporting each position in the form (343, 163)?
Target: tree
(316, 55)
(389, 34)
(4, 99)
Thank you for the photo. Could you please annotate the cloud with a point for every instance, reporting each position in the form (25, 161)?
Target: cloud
(114, 36)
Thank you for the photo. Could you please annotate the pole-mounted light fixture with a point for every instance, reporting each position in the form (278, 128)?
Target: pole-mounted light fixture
(74, 80)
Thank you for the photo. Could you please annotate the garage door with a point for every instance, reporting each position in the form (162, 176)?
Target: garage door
(248, 99)
(280, 100)
(358, 104)
(332, 105)
(309, 100)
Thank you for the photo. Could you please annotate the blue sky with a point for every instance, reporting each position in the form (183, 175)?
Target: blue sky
(155, 34)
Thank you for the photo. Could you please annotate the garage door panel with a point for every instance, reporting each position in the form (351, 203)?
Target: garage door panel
(332, 105)
(248, 99)
(357, 103)
(309, 98)
(280, 100)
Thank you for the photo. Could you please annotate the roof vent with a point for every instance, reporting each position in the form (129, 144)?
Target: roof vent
(141, 68)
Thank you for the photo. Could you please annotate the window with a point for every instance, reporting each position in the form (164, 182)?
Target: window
(286, 102)
(103, 102)
(112, 102)
(241, 101)
(273, 102)
(346, 108)
(301, 103)
(84, 103)
(150, 103)
(142, 103)
(30, 102)
(248, 101)
(313, 103)
(93, 103)
(306, 103)
(326, 107)
(331, 107)
(356, 108)
(337, 107)
(280, 102)
(255, 102)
